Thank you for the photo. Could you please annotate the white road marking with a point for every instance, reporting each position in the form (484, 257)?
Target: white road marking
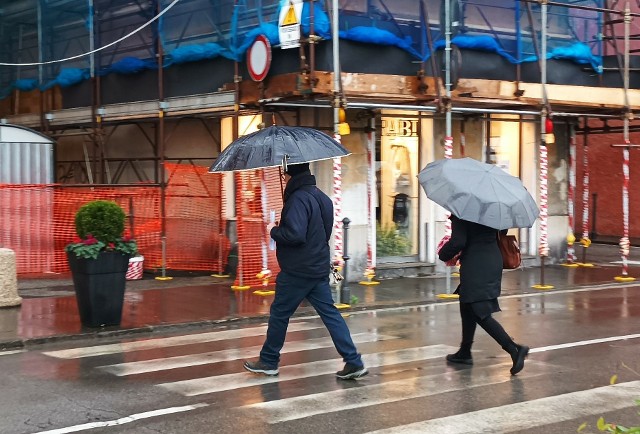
(219, 383)
(581, 343)
(8, 352)
(515, 417)
(300, 407)
(434, 304)
(124, 347)
(162, 364)
(124, 420)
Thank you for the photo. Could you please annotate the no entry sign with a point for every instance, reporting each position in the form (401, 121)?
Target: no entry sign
(259, 58)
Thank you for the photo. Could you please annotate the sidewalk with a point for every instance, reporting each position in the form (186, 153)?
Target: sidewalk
(49, 310)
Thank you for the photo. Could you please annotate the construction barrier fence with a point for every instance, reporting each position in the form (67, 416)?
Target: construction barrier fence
(258, 202)
(37, 221)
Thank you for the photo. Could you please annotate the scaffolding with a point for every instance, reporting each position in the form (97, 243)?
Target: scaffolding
(130, 38)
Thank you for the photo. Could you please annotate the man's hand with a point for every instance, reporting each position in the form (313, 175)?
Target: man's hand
(271, 226)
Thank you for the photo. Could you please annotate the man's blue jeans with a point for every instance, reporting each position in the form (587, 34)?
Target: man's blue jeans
(290, 291)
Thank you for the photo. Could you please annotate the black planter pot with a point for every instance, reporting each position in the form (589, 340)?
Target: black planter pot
(99, 285)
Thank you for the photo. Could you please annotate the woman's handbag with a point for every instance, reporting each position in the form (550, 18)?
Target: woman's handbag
(453, 261)
(510, 250)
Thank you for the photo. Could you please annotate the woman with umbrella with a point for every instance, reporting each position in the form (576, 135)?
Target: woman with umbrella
(479, 289)
(483, 200)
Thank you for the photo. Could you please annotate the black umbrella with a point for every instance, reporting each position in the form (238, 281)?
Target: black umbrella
(277, 146)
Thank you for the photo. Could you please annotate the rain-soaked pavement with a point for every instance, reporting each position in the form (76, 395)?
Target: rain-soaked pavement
(175, 364)
(194, 383)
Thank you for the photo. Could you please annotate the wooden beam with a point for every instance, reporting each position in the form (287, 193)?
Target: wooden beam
(397, 89)
(371, 86)
(573, 96)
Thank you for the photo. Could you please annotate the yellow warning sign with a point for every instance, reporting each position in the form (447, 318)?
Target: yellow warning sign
(290, 18)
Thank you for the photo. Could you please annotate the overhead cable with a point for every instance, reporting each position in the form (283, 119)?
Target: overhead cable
(88, 53)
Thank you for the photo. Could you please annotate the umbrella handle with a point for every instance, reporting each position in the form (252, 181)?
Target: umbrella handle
(281, 174)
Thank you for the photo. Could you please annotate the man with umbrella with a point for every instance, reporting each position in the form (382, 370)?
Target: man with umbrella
(302, 248)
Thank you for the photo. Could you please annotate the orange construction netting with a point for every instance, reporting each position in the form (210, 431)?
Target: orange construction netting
(195, 227)
(258, 202)
(37, 221)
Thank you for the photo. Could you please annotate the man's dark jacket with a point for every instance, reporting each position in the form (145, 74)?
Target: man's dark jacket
(302, 237)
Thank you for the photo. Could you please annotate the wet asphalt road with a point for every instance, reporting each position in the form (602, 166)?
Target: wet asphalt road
(195, 383)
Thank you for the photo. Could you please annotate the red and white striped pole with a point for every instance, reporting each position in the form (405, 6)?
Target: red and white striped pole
(571, 238)
(585, 241)
(338, 247)
(370, 270)
(625, 245)
(543, 248)
(371, 167)
(448, 154)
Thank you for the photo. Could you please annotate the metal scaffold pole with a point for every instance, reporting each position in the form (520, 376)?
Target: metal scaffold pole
(448, 139)
(571, 238)
(338, 246)
(546, 127)
(625, 244)
(161, 151)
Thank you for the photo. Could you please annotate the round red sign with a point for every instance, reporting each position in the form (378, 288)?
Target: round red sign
(259, 58)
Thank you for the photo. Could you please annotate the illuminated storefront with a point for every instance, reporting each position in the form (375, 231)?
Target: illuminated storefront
(408, 225)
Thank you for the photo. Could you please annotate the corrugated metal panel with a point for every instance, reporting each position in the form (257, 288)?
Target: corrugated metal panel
(26, 163)
(26, 156)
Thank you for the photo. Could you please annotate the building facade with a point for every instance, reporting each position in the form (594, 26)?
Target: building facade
(416, 79)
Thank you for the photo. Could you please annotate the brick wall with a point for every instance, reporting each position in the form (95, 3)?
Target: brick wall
(605, 171)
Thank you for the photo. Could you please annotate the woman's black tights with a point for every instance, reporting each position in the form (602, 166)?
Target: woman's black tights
(489, 324)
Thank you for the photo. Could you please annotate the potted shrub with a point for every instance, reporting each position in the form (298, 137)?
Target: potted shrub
(99, 259)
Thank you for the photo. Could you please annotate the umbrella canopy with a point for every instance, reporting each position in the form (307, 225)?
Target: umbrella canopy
(479, 192)
(277, 146)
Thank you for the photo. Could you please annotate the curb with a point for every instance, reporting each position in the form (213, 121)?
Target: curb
(13, 344)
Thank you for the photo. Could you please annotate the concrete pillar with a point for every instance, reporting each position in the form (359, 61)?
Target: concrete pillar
(8, 279)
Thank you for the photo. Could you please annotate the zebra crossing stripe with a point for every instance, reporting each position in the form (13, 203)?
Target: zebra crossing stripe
(582, 343)
(125, 347)
(154, 365)
(300, 407)
(124, 420)
(9, 352)
(515, 417)
(219, 383)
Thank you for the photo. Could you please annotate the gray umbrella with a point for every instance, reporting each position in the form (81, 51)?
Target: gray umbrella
(479, 192)
(277, 146)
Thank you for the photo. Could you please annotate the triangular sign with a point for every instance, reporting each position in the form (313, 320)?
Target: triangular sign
(290, 18)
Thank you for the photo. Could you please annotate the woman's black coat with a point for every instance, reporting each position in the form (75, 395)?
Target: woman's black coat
(480, 260)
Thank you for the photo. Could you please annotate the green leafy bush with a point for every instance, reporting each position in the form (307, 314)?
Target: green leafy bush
(102, 219)
(100, 227)
(390, 242)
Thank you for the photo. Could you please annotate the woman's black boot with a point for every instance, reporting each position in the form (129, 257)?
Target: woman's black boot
(462, 356)
(517, 356)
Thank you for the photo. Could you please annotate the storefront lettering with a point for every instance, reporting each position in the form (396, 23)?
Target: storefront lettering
(397, 127)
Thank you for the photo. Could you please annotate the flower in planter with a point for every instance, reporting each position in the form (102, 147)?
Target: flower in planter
(100, 228)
